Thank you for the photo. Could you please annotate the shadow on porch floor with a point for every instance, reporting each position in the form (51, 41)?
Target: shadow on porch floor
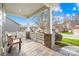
(31, 48)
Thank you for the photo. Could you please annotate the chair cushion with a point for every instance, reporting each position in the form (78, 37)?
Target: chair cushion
(9, 34)
(16, 41)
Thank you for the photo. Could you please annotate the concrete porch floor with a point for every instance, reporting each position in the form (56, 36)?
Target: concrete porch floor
(31, 48)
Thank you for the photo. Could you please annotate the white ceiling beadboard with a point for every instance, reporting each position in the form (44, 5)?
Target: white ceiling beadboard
(24, 9)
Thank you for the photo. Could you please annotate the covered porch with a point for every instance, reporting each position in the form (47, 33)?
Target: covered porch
(36, 29)
(39, 40)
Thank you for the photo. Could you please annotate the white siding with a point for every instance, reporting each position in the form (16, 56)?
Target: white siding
(11, 26)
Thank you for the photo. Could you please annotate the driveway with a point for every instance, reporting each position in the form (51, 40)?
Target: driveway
(69, 50)
(70, 36)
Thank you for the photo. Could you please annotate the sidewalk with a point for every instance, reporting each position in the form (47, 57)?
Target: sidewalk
(70, 36)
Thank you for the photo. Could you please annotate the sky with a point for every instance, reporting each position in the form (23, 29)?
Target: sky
(19, 19)
(64, 9)
(67, 8)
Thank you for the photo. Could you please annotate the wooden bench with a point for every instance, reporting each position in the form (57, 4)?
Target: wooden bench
(12, 41)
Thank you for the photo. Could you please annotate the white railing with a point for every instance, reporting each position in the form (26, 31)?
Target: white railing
(37, 36)
(18, 34)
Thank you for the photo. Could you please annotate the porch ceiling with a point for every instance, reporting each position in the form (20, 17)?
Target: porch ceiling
(25, 9)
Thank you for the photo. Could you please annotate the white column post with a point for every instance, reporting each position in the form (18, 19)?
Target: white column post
(50, 28)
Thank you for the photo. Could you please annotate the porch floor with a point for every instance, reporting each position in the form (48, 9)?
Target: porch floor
(31, 48)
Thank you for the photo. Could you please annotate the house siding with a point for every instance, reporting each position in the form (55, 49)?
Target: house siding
(11, 26)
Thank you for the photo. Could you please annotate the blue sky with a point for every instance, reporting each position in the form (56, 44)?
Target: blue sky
(19, 19)
(67, 8)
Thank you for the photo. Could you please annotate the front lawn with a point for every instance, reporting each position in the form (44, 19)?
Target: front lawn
(66, 32)
(72, 41)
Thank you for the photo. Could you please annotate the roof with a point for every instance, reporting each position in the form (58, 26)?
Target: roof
(13, 21)
(26, 9)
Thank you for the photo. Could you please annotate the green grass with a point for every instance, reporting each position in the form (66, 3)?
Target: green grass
(66, 32)
(72, 41)
(62, 45)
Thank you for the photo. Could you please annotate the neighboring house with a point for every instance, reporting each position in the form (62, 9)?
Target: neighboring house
(75, 24)
(59, 27)
(11, 25)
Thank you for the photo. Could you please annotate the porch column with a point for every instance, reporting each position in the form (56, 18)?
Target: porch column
(49, 33)
(2, 32)
(3, 24)
(1, 29)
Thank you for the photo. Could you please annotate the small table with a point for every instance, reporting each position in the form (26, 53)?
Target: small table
(28, 35)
